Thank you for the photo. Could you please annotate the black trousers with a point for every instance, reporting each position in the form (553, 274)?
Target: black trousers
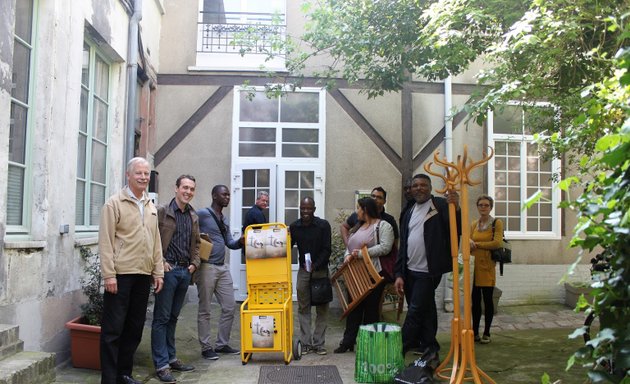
(488, 305)
(421, 324)
(124, 314)
(364, 313)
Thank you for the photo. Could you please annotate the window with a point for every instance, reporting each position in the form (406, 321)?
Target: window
(92, 139)
(297, 185)
(518, 172)
(284, 127)
(20, 120)
(254, 182)
(222, 24)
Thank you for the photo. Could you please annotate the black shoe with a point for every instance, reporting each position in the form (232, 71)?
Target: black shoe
(343, 348)
(124, 379)
(177, 365)
(209, 354)
(227, 350)
(165, 376)
(430, 360)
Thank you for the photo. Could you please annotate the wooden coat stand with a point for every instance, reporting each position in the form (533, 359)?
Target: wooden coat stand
(461, 356)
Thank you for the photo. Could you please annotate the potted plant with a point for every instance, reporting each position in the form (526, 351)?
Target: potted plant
(85, 330)
(573, 291)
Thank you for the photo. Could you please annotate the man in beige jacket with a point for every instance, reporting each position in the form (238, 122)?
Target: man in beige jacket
(131, 259)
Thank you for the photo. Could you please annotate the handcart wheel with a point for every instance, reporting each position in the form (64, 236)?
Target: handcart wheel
(297, 350)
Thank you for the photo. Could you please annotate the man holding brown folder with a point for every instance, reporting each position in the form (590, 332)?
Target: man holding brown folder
(179, 230)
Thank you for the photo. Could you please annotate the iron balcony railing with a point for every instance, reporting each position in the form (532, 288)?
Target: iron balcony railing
(237, 32)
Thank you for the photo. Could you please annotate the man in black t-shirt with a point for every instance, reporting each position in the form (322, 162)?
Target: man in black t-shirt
(380, 196)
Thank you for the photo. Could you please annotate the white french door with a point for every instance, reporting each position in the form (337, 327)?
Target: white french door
(287, 184)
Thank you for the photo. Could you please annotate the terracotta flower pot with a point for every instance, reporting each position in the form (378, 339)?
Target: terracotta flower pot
(84, 344)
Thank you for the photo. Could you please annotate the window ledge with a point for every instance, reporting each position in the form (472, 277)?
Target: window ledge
(520, 236)
(25, 244)
(239, 69)
(86, 240)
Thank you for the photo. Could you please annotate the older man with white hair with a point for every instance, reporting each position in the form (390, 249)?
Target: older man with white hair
(131, 259)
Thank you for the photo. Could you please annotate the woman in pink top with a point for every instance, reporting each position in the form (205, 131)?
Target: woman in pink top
(364, 233)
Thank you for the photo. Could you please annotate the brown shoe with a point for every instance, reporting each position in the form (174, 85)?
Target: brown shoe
(166, 376)
(177, 365)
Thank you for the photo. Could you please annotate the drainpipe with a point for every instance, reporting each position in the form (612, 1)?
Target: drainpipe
(132, 79)
(448, 121)
(448, 151)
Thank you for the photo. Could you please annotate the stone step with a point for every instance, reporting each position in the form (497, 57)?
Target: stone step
(9, 334)
(9, 340)
(28, 368)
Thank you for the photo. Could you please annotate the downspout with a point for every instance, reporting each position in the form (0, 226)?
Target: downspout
(448, 151)
(448, 120)
(132, 79)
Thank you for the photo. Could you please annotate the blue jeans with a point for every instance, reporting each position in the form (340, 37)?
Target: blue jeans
(168, 304)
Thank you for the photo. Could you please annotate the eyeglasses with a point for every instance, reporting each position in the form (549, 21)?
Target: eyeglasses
(377, 197)
(483, 205)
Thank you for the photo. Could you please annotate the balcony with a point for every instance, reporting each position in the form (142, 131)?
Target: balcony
(240, 41)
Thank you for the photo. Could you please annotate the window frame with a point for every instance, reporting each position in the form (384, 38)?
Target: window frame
(231, 59)
(556, 169)
(94, 53)
(279, 127)
(24, 229)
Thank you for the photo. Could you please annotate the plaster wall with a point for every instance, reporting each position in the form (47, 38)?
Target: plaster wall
(383, 114)
(468, 75)
(428, 118)
(353, 162)
(151, 30)
(175, 105)
(178, 40)
(7, 22)
(205, 153)
(40, 270)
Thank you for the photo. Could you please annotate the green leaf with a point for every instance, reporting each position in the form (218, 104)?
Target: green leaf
(607, 142)
(545, 379)
(533, 199)
(570, 362)
(566, 183)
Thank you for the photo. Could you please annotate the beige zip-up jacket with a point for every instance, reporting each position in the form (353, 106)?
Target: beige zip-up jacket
(127, 244)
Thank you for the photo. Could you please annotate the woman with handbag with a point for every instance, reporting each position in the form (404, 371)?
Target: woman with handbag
(365, 233)
(486, 234)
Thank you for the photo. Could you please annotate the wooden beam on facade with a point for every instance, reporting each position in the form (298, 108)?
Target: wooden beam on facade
(191, 123)
(257, 80)
(367, 128)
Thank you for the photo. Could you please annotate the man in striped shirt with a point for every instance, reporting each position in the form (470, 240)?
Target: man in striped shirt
(179, 230)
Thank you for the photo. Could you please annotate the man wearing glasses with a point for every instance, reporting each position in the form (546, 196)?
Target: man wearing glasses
(380, 196)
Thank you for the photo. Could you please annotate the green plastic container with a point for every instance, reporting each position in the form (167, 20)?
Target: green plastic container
(379, 355)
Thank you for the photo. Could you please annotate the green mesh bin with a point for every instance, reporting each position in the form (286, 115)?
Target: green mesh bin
(379, 353)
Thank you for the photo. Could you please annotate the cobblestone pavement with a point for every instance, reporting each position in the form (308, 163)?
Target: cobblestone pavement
(525, 317)
(229, 369)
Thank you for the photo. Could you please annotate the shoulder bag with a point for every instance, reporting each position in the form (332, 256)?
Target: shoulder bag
(503, 254)
(387, 261)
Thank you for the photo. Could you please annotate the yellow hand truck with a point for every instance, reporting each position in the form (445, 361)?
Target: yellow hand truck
(266, 314)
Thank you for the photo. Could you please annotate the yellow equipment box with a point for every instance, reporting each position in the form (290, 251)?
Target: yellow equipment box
(267, 313)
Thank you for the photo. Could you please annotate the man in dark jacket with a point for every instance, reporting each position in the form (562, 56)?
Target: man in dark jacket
(313, 237)
(423, 258)
(179, 230)
(256, 214)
